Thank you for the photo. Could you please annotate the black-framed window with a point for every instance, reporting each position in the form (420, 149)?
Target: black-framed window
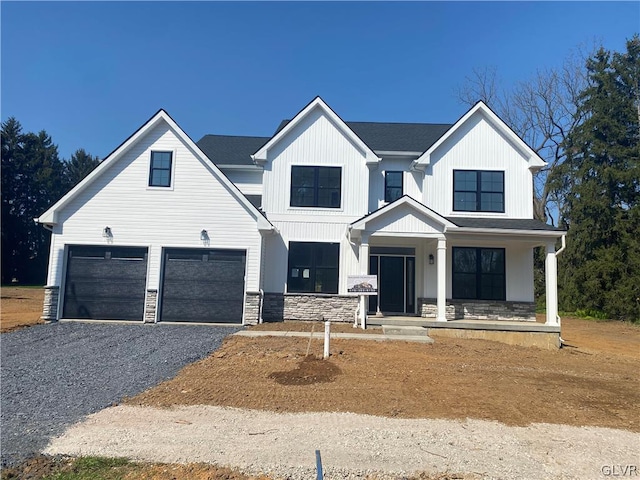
(316, 186)
(313, 267)
(478, 191)
(160, 171)
(392, 186)
(479, 273)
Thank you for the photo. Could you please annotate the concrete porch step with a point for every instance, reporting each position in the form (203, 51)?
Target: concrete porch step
(414, 331)
(398, 321)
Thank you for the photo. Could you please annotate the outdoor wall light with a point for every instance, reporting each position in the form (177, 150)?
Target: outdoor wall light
(106, 233)
(431, 259)
(204, 236)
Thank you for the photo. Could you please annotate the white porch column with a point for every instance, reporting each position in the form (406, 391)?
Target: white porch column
(551, 284)
(364, 270)
(441, 262)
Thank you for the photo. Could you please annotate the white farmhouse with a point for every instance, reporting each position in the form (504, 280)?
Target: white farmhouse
(240, 229)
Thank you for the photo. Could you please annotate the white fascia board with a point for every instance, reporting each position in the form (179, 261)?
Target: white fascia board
(50, 217)
(396, 153)
(532, 157)
(260, 157)
(506, 231)
(405, 200)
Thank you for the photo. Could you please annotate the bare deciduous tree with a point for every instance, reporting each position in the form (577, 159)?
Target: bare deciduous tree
(541, 110)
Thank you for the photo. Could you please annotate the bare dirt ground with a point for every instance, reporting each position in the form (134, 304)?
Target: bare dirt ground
(20, 307)
(453, 378)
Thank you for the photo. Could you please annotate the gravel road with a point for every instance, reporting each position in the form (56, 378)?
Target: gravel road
(53, 375)
(351, 445)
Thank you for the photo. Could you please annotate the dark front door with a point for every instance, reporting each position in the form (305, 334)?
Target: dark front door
(203, 285)
(105, 283)
(391, 284)
(396, 283)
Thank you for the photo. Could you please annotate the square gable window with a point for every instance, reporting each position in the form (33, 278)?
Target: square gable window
(160, 170)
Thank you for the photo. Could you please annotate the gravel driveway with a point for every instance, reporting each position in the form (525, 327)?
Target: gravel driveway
(53, 375)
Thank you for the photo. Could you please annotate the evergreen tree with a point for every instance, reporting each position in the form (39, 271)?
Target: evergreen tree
(600, 182)
(32, 179)
(79, 166)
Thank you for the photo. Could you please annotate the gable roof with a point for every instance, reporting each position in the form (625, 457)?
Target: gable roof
(260, 156)
(230, 150)
(360, 224)
(395, 137)
(50, 216)
(535, 162)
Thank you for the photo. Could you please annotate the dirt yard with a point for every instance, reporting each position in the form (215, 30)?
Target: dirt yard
(592, 382)
(20, 307)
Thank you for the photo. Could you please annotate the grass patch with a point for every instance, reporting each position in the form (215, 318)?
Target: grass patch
(90, 468)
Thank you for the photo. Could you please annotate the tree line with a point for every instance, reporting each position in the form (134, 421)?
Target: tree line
(33, 178)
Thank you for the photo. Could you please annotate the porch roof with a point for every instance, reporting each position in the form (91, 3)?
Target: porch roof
(388, 219)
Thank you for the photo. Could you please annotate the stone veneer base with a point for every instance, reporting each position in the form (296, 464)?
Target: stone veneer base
(50, 304)
(309, 307)
(479, 310)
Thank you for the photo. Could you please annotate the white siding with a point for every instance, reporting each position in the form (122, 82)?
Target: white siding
(248, 182)
(316, 140)
(277, 251)
(404, 219)
(155, 217)
(477, 145)
(411, 181)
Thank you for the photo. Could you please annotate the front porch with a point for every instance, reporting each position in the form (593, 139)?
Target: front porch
(525, 334)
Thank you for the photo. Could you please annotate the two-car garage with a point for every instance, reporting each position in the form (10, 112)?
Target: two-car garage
(196, 285)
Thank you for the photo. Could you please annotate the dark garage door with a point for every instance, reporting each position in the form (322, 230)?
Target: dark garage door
(105, 283)
(203, 285)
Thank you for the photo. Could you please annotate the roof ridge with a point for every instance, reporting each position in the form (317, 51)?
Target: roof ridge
(232, 136)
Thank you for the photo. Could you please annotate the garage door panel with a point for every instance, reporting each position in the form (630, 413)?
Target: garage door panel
(206, 312)
(101, 269)
(105, 309)
(105, 283)
(203, 291)
(203, 285)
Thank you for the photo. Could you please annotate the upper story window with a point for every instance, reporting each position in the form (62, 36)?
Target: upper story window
(160, 170)
(392, 186)
(478, 191)
(313, 267)
(316, 186)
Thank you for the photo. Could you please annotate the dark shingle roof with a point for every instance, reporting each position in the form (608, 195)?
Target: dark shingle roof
(229, 150)
(398, 137)
(503, 223)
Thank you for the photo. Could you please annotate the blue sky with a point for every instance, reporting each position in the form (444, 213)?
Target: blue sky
(91, 73)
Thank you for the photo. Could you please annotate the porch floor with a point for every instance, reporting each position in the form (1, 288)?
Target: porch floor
(463, 324)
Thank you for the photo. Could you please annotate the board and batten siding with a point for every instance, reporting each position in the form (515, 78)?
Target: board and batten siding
(316, 141)
(478, 145)
(276, 256)
(411, 181)
(157, 217)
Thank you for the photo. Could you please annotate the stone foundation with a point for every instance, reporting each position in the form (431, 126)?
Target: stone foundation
(251, 308)
(50, 304)
(479, 310)
(308, 307)
(150, 306)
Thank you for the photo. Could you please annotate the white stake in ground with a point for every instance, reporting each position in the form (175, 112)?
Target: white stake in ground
(327, 339)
